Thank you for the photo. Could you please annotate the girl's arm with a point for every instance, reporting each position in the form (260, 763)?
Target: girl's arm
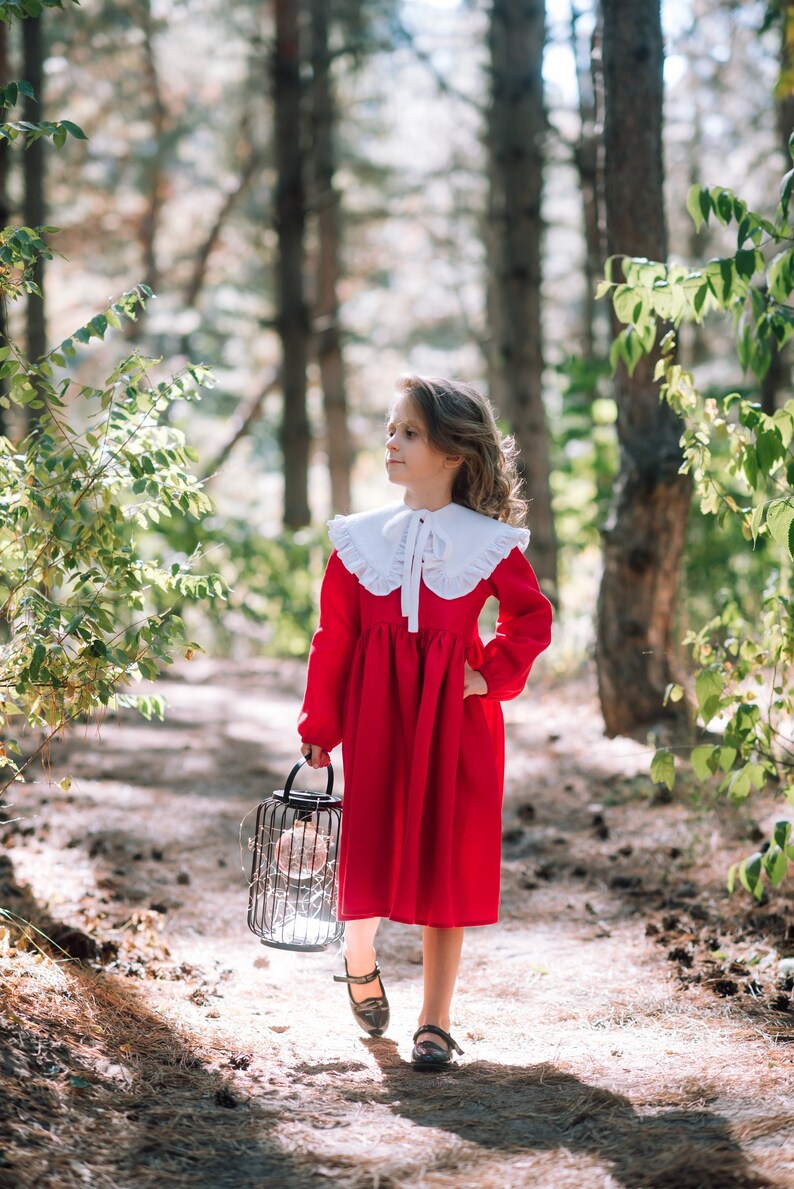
(523, 628)
(330, 657)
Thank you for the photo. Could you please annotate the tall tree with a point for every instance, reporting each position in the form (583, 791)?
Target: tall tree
(5, 211)
(646, 530)
(587, 53)
(325, 201)
(33, 166)
(290, 214)
(778, 377)
(154, 180)
(516, 130)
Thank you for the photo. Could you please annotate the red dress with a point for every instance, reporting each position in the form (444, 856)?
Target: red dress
(424, 767)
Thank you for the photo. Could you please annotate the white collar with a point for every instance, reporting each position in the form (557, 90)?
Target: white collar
(452, 549)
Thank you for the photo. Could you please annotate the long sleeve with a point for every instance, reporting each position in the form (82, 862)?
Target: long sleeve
(330, 657)
(523, 627)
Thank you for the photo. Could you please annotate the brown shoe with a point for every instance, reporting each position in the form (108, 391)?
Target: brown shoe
(371, 1014)
(428, 1055)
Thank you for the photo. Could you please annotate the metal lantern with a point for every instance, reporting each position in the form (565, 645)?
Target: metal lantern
(292, 890)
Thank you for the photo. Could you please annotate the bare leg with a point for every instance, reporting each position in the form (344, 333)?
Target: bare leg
(441, 949)
(360, 956)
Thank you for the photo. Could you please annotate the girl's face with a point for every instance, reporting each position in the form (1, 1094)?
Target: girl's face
(412, 462)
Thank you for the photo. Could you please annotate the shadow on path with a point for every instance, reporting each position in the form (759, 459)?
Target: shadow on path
(520, 1109)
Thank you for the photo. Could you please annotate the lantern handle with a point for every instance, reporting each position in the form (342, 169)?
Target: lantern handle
(329, 780)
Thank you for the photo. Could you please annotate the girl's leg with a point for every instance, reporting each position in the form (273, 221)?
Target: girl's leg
(441, 949)
(360, 956)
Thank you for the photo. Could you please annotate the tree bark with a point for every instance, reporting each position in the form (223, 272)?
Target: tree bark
(516, 130)
(778, 377)
(5, 214)
(154, 180)
(326, 305)
(646, 531)
(34, 213)
(586, 159)
(290, 215)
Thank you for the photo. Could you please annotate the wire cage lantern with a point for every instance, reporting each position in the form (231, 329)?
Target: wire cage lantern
(292, 889)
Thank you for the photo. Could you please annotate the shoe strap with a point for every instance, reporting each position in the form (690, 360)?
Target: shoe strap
(453, 1044)
(358, 979)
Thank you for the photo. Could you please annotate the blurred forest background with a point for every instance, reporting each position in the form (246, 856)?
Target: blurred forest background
(323, 194)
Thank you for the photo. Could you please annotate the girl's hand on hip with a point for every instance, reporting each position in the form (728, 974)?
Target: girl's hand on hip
(315, 755)
(473, 682)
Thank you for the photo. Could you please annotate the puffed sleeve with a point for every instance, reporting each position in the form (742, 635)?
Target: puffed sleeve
(330, 657)
(523, 627)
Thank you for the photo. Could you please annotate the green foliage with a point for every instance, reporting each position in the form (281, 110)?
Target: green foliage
(585, 449)
(742, 463)
(20, 248)
(78, 597)
(276, 581)
(11, 10)
(57, 131)
(272, 581)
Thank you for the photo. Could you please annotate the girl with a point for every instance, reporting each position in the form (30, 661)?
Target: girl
(397, 672)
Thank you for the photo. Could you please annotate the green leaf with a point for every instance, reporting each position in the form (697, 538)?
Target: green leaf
(750, 875)
(756, 520)
(775, 865)
(701, 761)
(74, 130)
(750, 468)
(779, 276)
(39, 653)
(698, 203)
(726, 757)
(723, 207)
(785, 191)
(779, 517)
(708, 691)
(663, 768)
(781, 833)
(624, 302)
(738, 786)
(747, 262)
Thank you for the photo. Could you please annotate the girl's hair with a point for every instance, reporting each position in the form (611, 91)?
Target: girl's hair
(460, 421)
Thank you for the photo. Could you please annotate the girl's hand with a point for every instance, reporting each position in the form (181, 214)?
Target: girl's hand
(473, 682)
(316, 757)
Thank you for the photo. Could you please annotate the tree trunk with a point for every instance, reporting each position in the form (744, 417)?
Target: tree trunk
(778, 377)
(516, 129)
(6, 427)
(33, 167)
(586, 159)
(646, 531)
(290, 214)
(326, 306)
(153, 174)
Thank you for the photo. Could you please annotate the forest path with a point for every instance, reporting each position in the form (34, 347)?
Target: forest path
(624, 1025)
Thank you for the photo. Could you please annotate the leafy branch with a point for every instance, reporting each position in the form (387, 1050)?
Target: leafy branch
(742, 462)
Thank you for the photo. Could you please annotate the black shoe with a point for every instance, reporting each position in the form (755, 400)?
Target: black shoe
(427, 1055)
(372, 1014)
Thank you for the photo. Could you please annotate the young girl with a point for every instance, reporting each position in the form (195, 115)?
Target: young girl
(398, 673)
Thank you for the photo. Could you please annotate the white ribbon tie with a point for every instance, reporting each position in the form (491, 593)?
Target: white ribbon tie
(420, 528)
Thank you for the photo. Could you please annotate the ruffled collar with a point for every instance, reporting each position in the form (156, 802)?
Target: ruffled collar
(451, 550)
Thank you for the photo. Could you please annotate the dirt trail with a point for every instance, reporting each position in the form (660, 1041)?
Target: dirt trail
(625, 1025)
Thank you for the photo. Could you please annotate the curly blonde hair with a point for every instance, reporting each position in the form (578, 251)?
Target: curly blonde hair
(461, 421)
